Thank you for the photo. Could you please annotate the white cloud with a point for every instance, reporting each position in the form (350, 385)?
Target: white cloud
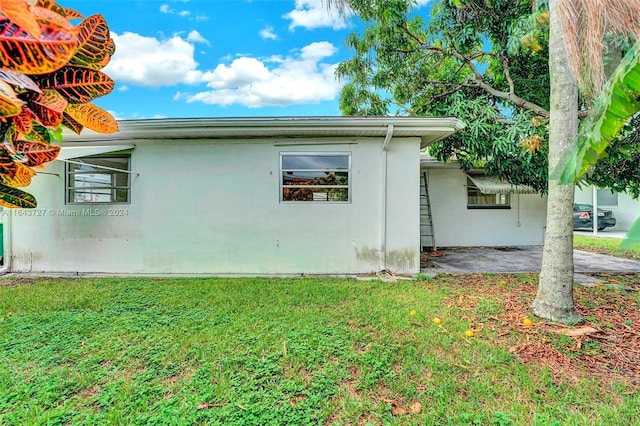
(295, 79)
(318, 50)
(165, 8)
(267, 33)
(314, 14)
(195, 37)
(147, 61)
(304, 76)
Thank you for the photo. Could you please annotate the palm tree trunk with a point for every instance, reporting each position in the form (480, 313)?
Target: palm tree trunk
(554, 300)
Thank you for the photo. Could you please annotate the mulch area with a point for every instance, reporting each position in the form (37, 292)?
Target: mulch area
(426, 258)
(605, 345)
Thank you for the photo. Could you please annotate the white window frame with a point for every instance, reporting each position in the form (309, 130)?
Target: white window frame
(281, 186)
(70, 189)
(496, 206)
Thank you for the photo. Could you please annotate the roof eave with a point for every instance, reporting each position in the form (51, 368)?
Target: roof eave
(429, 129)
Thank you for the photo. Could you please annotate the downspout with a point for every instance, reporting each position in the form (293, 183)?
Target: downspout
(6, 244)
(383, 222)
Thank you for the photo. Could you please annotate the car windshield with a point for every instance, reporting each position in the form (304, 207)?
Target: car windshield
(582, 207)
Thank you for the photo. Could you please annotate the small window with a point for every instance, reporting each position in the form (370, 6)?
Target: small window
(477, 200)
(608, 198)
(323, 177)
(98, 180)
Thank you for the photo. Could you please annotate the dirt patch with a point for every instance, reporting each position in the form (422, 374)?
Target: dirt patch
(17, 281)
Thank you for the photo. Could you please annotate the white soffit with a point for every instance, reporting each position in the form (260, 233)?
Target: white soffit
(493, 185)
(67, 152)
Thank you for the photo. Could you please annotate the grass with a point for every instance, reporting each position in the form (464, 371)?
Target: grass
(252, 351)
(610, 246)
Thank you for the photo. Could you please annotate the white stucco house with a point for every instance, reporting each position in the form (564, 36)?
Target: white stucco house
(470, 209)
(258, 196)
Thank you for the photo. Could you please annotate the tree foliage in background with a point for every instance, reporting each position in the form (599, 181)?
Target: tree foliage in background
(484, 65)
(49, 74)
(487, 66)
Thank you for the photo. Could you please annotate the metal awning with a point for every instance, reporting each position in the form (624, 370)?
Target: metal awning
(493, 185)
(67, 152)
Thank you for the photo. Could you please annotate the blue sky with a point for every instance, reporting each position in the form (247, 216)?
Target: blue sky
(222, 58)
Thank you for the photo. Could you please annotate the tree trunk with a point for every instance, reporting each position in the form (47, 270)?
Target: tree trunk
(554, 300)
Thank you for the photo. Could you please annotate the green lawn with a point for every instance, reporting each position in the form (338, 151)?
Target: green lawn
(603, 245)
(303, 351)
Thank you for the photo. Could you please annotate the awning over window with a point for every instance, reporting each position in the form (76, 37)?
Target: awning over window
(67, 152)
(493, 185)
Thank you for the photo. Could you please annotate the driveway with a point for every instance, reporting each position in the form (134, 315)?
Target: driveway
(520, 259)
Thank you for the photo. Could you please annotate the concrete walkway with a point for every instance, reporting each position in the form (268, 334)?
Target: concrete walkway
(522, 259)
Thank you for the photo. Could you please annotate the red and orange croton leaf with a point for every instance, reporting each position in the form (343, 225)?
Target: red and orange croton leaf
(18, 12)
(72, 124)
(49, 72)
(92, 117)
(21, 179)
(21, 52)
(10, 105)
(51, 5)
(23, 122)
(78, 84)
(94, 43)
(32, 153)
(7, 165)
(72, 13)
(48, 107)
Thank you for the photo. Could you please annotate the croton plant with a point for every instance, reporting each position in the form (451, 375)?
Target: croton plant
(49, 74)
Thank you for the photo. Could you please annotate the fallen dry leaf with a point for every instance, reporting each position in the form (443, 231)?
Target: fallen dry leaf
(398, 411)
(415, 407)
(209, 405)
(389, 401)
(584, 330)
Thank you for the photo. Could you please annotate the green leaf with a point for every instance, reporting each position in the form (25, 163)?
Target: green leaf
(16, 198)
(614, 108)
(631, 241)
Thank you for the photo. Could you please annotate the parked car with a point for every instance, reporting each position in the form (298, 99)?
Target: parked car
(582, 217)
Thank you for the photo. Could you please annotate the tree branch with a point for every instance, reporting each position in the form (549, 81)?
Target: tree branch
(479, 80)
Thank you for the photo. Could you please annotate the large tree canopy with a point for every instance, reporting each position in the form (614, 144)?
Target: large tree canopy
(485, 65)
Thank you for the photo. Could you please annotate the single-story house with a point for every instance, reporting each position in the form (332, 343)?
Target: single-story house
(257, 196)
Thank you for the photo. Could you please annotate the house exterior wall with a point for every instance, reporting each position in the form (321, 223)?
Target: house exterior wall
(212, 207)
(456, 225)
(626, 212)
